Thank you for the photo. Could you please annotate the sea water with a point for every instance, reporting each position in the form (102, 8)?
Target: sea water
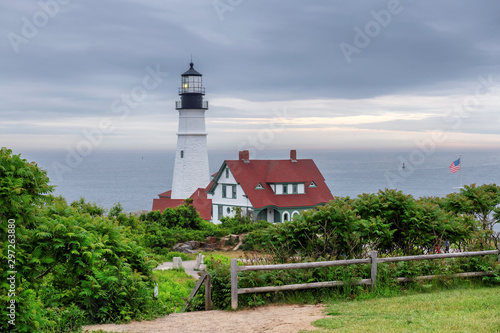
(135, 178)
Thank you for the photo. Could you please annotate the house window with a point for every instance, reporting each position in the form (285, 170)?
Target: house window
(285, 189)
(226, 193)
(313, 184)
(286, 216)
(220, 211)
(259, 187)
(228, 210)
(227, 172)
(182, 153)
(294, 188)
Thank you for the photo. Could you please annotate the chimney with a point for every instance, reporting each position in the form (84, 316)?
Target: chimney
(244, 156)
(293, 155)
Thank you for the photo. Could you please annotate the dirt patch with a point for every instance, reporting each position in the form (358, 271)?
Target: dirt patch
(269, 319)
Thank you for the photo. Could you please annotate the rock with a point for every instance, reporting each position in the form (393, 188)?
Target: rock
(194, 244)
(211, 240)
(184, 247)
(223, 241)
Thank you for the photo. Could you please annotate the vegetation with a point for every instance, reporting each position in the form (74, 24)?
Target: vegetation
(74, 264)
(174, 286)
(389, 222)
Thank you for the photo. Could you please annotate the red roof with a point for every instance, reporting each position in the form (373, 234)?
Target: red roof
(167, 194)
(200, 202)
(250, 173)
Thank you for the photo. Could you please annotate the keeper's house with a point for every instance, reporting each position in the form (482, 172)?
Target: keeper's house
(271, 190)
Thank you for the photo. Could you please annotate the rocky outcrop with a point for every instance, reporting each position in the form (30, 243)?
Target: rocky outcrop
(227, 243)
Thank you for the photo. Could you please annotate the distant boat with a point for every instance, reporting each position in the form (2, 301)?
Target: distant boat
(404, 166)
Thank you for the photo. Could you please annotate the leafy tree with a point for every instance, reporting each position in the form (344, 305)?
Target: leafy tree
(23, 189)
(392, 208)
(480, 201)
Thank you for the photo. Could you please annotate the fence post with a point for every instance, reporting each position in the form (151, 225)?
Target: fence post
(499, 253)
(208, 293)
(374, 269)
(234, 284)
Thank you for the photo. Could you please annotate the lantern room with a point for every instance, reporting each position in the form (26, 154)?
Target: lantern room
(191, 90)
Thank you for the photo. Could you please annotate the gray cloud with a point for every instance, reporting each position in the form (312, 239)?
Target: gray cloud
(91, 52)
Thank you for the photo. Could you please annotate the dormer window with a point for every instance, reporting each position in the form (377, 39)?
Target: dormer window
(313, 184)
(290, 188)
(259, 187)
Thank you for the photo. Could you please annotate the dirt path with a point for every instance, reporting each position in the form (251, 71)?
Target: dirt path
(188, 266)
(269, 319)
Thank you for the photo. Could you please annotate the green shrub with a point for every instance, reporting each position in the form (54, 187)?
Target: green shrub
(71, 261)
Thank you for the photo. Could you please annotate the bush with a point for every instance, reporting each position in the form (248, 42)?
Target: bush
(73, 264)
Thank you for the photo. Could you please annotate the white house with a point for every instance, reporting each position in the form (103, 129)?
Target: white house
(271, 190)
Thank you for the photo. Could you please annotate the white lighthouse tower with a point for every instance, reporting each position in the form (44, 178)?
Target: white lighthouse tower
(191, 157)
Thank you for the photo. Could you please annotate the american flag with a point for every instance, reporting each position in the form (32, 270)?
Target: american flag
(455, 166)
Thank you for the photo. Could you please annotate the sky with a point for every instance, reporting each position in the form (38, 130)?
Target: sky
(347, 75)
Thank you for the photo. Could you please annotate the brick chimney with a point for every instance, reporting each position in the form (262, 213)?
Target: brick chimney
(244, 156)
(293, 155)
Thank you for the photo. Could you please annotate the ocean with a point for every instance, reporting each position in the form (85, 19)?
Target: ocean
(135, 178)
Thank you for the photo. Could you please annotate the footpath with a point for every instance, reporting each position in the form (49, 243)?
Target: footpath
(189, 266)
(269, 319)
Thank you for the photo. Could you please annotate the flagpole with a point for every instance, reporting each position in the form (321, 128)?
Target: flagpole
(460, 159)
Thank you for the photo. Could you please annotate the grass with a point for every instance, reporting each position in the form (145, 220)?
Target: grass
(184, 256)
(457, 310)
(174, 286)
(230, 254)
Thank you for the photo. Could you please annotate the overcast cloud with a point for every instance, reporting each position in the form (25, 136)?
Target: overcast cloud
(310, 74)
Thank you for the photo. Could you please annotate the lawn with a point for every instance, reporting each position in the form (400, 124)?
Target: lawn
(459, 310)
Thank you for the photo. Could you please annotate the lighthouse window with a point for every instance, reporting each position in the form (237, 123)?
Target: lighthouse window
(182, 153)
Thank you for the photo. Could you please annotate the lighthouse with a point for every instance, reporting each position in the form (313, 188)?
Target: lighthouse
(191, 157)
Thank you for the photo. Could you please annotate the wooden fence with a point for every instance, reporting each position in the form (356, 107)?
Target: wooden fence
(373, 260)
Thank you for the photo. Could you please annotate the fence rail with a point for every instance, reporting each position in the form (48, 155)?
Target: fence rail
(373, 260)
